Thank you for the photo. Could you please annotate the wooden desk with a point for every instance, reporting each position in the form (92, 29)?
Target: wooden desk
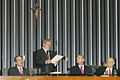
(57, 78)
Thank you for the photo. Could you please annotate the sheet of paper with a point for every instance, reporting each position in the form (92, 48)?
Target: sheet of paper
(55, 72)
(56, 58)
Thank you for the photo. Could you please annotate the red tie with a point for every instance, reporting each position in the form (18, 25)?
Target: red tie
(110, 73)
(47, 54)
(82, 70)
(21, 71)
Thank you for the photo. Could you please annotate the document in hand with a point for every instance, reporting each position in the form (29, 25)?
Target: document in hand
(56, 58)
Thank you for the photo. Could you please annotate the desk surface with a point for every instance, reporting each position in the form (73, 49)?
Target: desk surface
(57, 78)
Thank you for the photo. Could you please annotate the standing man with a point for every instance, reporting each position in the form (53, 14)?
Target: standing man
(80, 68)
(18, 70)
(43, 56)
(108, 70)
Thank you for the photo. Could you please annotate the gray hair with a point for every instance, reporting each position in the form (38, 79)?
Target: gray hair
(46, 40)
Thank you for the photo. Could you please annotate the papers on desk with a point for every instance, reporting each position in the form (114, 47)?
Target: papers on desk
(104, 75)
(56, 58)
(108, 75)
(55, 72)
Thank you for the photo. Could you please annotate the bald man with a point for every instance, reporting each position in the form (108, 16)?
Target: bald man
(80, 68)
(108, 70)
(18, 70)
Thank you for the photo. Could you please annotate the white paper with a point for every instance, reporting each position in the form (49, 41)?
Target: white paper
(55, 72)
(56, 58)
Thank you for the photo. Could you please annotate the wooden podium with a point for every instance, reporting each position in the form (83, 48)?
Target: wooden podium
(57, 78)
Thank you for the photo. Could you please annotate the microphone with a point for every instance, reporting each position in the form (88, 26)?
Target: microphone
(65, 58)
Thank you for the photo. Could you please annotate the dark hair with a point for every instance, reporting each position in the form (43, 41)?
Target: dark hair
(16, 58)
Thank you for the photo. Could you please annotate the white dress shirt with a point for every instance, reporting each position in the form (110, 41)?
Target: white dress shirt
(81, 66)
(19, 68)
(107, 70)
(47, 52)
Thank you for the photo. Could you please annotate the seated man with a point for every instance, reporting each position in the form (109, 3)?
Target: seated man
(18, 70)
(80, 68)
(107, 70)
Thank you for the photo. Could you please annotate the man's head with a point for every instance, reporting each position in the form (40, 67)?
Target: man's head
(18, 61)
(80, 60)
(47, 44)
(110, 62)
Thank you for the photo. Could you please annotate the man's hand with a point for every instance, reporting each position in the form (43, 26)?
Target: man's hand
(48, 61)
(56, 62)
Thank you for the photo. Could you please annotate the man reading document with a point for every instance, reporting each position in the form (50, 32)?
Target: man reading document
(43, 58)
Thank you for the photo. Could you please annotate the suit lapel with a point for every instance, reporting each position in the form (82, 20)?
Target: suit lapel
(17, 71)
(85, 69)
(44, 53)
(50, 53)
(112, 70)
(104, 69)
(78, 70)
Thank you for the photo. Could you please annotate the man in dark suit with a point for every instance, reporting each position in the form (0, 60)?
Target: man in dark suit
(43, 58)
(80, 68)
(108, 70)
(18, 70)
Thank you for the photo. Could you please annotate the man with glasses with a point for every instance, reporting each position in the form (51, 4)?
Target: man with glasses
(18, 69)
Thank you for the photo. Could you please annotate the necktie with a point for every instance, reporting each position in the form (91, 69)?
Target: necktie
(82, 70)
(110, 73)
(21, 71)
(47, 54)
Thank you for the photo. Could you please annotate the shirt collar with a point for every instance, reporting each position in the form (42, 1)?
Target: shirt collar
(81, 66)
(107, 69)
(45, 49)
(19, 68)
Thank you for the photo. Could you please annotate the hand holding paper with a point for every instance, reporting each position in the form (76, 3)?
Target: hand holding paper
(56, 58)
(48, 61)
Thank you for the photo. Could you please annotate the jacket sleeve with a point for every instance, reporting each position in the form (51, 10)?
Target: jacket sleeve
(72, 71)
(39, 59)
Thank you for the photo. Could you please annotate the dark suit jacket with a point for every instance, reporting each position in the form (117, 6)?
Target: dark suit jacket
(101, 70)
(13, 71)
(39, 61)
(76, 70)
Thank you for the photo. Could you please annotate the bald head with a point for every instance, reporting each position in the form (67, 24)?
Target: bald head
(80, 56)
(110, 62)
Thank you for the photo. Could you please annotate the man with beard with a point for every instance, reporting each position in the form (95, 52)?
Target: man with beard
(18, 69)
(43, 56)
